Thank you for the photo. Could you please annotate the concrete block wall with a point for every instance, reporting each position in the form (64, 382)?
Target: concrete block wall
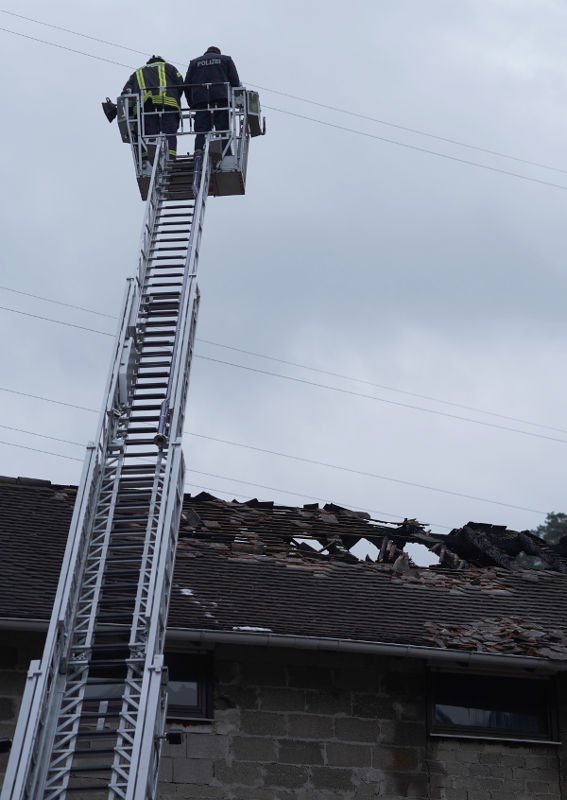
(325, 726)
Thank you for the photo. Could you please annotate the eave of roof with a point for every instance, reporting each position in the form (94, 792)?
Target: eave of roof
(432, 655)
(245, 573)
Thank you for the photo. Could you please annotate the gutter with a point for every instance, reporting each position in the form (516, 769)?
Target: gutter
(430, 654)
(269, 639)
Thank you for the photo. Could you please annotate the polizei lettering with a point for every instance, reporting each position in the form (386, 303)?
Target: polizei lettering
(209, 62)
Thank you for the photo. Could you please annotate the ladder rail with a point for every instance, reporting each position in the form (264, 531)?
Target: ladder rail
(151, 210)
(190, 301)
(153, 691)
(107, 629)
(31, 728)
(159, 589)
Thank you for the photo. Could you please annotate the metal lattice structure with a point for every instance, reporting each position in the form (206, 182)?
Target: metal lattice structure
(93, 713)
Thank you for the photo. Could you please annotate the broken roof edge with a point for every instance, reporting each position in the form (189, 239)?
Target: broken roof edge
(268, 639)
(440, 655)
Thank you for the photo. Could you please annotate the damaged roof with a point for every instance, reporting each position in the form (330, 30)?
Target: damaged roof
(322, 572)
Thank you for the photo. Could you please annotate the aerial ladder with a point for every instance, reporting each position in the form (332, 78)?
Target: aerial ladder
(92, 718)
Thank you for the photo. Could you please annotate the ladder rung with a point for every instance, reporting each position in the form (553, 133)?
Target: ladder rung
(152, 259)
(139, 430)
(135, 480)
(91, 768)
(93, 788)
(143, 454)
(177, 225)
(140, 386)
(115, 600)
(162, 317)
(167, 215)
(164, 283)
(139, 442)
(166, 310)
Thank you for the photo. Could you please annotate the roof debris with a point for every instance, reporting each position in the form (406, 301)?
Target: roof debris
(490, 634)
(332, 532)
(321, 572)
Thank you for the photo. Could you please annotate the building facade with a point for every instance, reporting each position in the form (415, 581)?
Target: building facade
(305, 672)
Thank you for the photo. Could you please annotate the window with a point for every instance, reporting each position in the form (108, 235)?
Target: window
(189, 687)
(491, 707)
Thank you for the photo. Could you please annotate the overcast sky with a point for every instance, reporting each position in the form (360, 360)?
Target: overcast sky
(348, 253)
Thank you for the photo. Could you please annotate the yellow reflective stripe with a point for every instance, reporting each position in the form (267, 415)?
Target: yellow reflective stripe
(161, 98)
(165, 101)
(162, 79)
(142, 84)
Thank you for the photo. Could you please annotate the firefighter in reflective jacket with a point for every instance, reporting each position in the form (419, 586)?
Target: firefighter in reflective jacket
(216, 70)
(160, 87)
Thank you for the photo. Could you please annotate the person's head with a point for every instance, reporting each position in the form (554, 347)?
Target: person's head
(213, 49)
(154, 59)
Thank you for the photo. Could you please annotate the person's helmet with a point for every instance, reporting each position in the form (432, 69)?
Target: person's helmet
(153, 59)
(214, 50)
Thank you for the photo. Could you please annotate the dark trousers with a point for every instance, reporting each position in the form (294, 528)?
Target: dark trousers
(209, 118)
(162, 122)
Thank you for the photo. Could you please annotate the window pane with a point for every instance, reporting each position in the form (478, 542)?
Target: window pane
(189, 683)
(491, 704)
(183, 693)
(486, 718)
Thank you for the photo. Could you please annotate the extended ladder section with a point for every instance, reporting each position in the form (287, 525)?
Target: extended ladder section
(93, 713)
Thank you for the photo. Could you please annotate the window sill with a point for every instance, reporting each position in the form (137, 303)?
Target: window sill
(496, 738)
(181, 720)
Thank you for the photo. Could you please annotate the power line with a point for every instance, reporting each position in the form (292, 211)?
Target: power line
(419, 149)
(48, 400)
(385, 400)
(302, 459)
(363, 473)
(68, 49)
(326, 387)
(75, 33)
(237, 494)
(299, 365)
(58, 302)
(42, 436)
(54, 321)
(417, 131)
(326, 106)
(195, 471)
(300, 494)
(343, 128)
(38, 450)
(379, 385)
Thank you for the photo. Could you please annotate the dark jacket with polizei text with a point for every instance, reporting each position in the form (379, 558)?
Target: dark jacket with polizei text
(214, 69)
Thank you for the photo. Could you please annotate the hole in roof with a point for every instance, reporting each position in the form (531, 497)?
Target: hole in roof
(421, 555)
(364, 548)
(311, 542)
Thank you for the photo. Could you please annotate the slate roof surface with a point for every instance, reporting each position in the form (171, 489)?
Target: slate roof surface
(252, 567)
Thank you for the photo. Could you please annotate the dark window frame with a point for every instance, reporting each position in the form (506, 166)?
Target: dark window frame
(468, 679)
(199, 670)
